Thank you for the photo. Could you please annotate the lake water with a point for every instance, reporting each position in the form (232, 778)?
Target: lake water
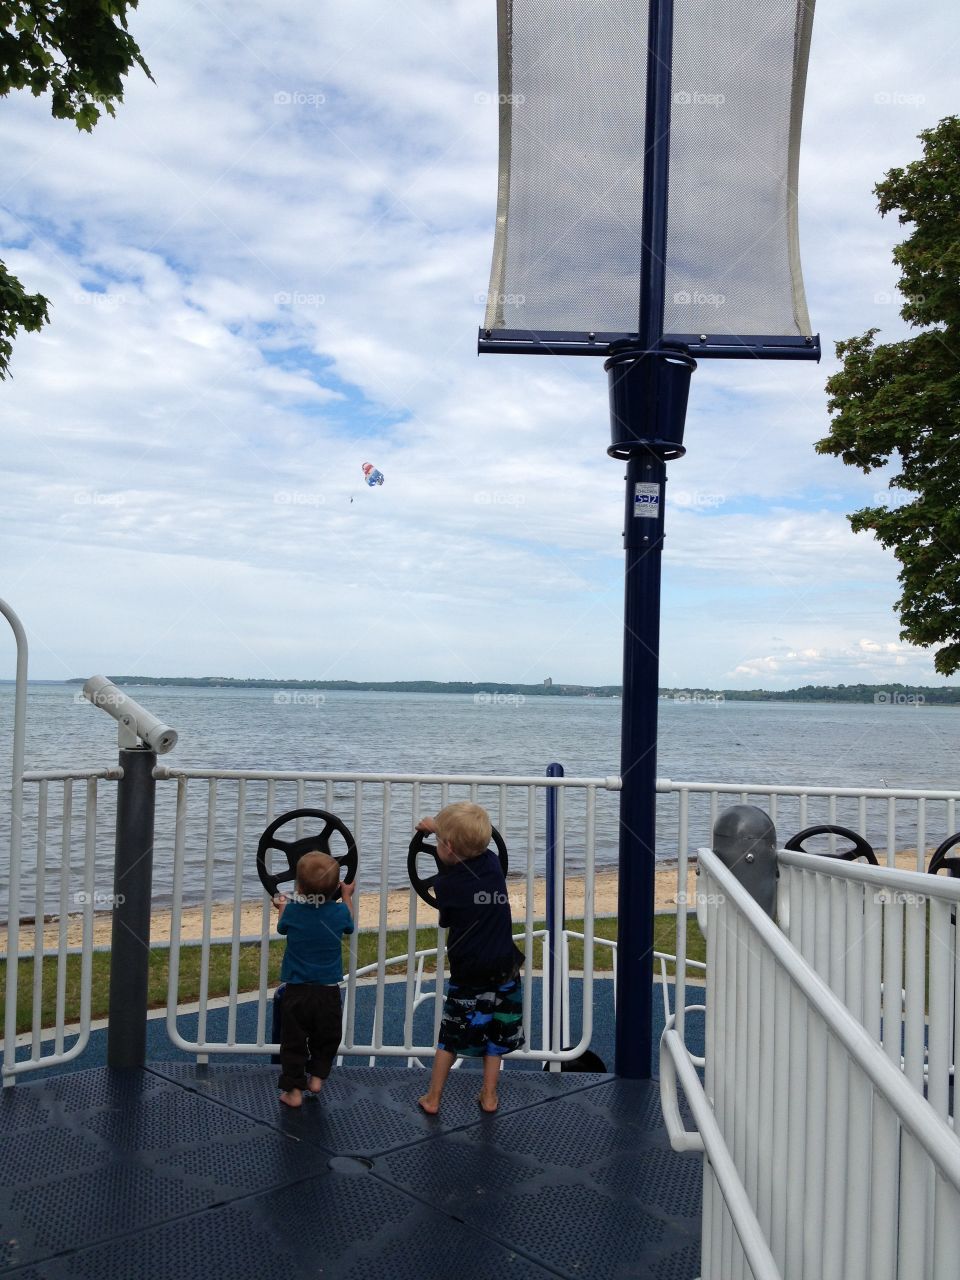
(739, 742)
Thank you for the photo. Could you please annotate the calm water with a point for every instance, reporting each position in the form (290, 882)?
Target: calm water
(447, 733)
(857, 745)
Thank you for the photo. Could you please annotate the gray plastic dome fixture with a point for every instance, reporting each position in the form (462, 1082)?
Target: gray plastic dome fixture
(745, 840)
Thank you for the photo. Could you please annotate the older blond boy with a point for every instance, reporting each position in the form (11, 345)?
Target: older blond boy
(482, 1012)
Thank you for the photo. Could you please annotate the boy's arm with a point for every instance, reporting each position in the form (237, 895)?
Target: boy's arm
(346, 893)
(280, 901)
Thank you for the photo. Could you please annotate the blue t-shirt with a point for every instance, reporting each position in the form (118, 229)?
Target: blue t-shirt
(314, 932)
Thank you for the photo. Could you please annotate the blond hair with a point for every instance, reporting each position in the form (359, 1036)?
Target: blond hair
(318, 873)
(465, 827)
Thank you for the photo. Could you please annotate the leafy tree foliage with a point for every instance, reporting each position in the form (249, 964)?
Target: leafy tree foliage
(78, 51)
(900, 401)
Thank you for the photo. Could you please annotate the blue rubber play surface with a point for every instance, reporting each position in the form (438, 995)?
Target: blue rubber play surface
(175, 1171)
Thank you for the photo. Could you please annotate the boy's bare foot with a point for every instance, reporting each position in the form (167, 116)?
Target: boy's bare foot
(488, 1102)
(291, 1097)
(428, 1105)
(314, 1084)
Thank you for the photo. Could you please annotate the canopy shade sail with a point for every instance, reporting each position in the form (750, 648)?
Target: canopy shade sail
(566, 272)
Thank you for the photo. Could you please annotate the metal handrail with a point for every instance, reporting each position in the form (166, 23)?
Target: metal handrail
(936, 1138)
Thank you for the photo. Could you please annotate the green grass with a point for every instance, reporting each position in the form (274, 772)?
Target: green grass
(188, 989)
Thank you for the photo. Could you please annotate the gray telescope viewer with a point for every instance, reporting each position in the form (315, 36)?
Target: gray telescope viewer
(136, 723)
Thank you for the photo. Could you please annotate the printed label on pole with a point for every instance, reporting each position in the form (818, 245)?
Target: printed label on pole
(646, 501)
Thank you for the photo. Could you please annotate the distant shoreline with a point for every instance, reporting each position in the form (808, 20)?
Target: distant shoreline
(898, 695)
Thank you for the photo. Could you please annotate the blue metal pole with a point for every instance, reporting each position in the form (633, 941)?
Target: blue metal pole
(553, 925)
(646, 430)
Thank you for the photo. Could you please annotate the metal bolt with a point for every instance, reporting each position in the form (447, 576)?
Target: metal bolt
(749, 857)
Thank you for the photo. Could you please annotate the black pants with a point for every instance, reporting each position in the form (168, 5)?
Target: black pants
(310, 1029)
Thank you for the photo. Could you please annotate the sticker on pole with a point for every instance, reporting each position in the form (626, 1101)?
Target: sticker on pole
(646, 501)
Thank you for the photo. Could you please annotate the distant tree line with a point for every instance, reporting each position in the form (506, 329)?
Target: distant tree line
(895, 694)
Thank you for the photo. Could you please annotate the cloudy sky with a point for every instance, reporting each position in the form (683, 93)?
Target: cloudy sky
(270, 269)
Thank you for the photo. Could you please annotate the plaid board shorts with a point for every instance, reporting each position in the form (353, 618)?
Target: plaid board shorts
(481, 1020)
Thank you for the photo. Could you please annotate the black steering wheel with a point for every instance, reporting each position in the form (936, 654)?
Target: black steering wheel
(860, 847)
(294, 850)
(940, 861)
(424, 885)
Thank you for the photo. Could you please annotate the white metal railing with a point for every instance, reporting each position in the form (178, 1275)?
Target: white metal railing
(45, 800)
(885, 942)
(823, 1160)
(64, 862)
(890, 818)
(381, 811)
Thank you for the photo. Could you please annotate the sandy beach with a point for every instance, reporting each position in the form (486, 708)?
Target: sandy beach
(398, 907)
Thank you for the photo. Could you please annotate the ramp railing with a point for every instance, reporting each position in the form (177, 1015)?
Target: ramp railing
(885, 942)
(823, 1159)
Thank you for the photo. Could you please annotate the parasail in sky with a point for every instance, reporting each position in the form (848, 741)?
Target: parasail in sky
(373, 476)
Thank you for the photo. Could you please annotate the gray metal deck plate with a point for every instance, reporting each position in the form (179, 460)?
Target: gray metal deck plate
(175, 1173)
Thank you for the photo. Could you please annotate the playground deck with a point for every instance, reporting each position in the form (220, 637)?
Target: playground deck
(176, 1171)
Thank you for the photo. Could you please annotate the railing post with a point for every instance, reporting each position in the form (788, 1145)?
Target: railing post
(132, 894)
(554, 926)
(16, 844)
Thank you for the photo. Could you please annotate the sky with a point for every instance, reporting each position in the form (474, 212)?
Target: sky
(270, 268)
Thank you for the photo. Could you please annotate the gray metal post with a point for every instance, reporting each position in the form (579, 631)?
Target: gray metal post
(132, 894)
(745, 840)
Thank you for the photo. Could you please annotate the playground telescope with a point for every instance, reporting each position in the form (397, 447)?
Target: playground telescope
(136, 723)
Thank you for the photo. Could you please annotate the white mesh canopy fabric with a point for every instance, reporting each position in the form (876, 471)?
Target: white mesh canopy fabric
(572, 107)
